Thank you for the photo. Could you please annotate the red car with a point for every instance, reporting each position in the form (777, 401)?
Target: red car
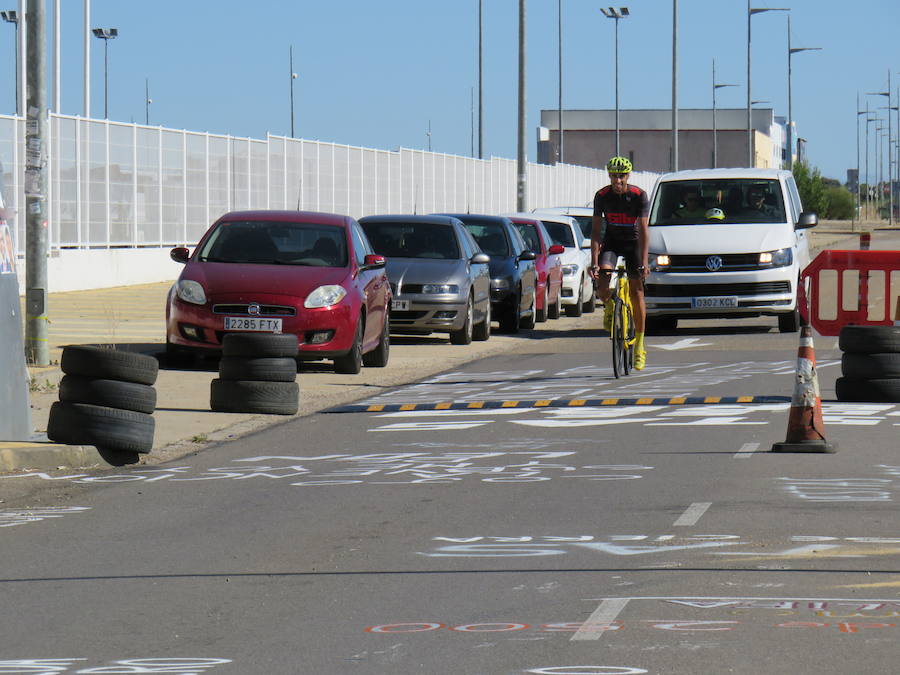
(547, 264)
(311, 274)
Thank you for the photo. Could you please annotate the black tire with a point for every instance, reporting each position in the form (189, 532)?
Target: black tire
(482, 331)
(265, 368)
(273, 345)
(619, 355)
(100, 426)
(528, 321)
(880, 390)
(179, 356)
(554, 309)
(109, 364)
(463, 336)
(591, 305)
(870, 366)
(351, 362)
(661, 324)
(108, 393)
(250, 396)
(378, 357)
(870, 339)
(509, 322)
(541, 314)
(789, 322)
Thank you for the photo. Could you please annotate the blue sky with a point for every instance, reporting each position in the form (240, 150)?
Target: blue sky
(377, 74)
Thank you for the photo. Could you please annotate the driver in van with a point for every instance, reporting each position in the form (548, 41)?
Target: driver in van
(692, 207)
(756, 204)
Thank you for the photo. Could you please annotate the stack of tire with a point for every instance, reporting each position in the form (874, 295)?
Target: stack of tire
(870, 364)
(257, 374)
(106, 399)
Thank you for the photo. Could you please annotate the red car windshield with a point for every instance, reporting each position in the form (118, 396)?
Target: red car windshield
(276, 243)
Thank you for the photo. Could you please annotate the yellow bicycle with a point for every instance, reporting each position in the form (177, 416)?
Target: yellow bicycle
(622, 333)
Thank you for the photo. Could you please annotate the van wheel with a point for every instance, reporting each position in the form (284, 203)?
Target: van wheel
(790, 322)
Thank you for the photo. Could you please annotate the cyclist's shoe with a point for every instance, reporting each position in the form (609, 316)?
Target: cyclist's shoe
(608, 316)
(640, 358)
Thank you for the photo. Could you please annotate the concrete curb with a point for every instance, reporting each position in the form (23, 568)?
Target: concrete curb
(18, 456)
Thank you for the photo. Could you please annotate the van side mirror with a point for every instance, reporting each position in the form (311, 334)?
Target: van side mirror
(179, 254)
(480, 259)
(807, 219)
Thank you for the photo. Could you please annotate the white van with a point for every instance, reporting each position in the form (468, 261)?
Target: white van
(726, 243)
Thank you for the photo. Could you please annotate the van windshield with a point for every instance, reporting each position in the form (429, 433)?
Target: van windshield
(716, 201)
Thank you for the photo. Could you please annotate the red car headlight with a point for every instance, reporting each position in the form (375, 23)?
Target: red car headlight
(325, 296)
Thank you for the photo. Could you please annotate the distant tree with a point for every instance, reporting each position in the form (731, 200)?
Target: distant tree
(841, 203)
(812, 189)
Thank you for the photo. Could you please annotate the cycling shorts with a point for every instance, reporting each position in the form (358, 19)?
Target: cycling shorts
(628, 250)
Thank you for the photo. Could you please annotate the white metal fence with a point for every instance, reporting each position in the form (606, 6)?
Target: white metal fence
(119, 185)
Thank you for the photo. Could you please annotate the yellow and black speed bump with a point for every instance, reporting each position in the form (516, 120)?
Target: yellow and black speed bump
(557, 403)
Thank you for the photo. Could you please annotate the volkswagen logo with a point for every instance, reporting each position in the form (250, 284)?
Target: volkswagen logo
(253, 308)
(713, 263)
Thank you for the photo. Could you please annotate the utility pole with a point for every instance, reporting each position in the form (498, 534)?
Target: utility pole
(36, 127)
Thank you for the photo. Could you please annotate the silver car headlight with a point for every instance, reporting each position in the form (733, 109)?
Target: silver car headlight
(191, 291)
(438, 289)
(325, 296)
(569, 270)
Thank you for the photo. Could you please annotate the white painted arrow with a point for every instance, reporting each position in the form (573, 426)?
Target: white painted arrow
(686, 343)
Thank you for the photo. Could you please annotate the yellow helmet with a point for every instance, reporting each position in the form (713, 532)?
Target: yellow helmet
(715, 214)
(619, 165)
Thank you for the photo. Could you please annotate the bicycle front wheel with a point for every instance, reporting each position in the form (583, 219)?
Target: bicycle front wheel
(619, 350)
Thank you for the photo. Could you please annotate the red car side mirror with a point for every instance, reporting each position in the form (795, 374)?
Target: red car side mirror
(373, 261)
(557, 249)
(179, 254)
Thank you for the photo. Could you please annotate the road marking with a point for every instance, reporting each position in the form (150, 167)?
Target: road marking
(693, 513)
(686, 343)
(747, 449)
(595, 625)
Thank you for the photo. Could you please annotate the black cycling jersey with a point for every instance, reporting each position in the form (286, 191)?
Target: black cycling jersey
(620, 212)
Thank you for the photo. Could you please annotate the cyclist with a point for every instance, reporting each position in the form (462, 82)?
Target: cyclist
(619, 228)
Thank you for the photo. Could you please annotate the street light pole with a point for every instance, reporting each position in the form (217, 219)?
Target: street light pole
(12, 16)
(858, 177)
(790, 124)
(106, 34)
(616, 15)
(560, 114)
(750, 12)
(890, 147)
(147, 101)
(521, 192)
(715, 129)
(480, 79)
(293, 77)
(674, 85)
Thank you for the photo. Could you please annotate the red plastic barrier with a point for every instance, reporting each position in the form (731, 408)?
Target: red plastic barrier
(861, 263)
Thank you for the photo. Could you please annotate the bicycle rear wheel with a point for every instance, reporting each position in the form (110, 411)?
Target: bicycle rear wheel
(619, 356)
(629, 339)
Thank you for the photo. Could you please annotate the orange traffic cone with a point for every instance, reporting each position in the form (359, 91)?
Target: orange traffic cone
(806, 431)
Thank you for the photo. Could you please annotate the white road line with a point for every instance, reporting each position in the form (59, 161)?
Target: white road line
(595, 625)
(747, 449)
(693, 513)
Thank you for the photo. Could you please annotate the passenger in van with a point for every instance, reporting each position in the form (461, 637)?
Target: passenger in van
(692, 207)
(757, 208)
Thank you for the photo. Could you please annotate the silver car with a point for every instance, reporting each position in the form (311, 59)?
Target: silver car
(440, 280)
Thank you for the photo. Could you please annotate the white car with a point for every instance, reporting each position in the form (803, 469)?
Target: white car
(577, 293)
(726, 243)
(583, 214)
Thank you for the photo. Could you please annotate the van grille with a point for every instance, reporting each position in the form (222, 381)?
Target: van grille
(694, 290)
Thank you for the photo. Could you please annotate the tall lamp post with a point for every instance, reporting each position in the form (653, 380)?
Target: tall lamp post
(858, 176)
(106, 34)
(889, 108)
(147, 101)
(616, 14)
(750, 12)
(293, 77)
(12, 16)
(675, 85)
(560, 115)
(716, 86)
(790, 121)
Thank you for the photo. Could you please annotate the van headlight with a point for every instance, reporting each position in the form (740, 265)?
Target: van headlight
(780, 258)
(191, 291)
(658, 262)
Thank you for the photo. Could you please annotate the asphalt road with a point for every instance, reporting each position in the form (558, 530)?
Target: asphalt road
(567, 540)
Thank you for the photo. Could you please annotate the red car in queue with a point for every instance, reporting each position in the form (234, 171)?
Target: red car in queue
(311, 274)
(547, 265)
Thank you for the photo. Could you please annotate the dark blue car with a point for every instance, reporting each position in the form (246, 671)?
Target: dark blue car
(513, 275)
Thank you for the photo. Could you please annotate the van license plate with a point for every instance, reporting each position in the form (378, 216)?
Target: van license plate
(718, 302)
(254, 324)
